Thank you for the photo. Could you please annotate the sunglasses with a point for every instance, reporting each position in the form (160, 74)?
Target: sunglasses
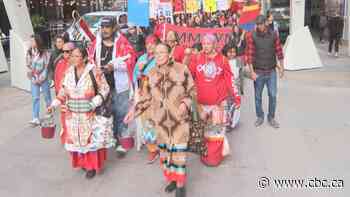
(67, 51)
(106, 26)
(171, 41)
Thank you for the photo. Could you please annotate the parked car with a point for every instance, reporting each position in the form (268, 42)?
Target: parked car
(93, 21)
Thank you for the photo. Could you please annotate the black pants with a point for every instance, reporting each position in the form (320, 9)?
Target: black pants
(322, 29)
(333, 39)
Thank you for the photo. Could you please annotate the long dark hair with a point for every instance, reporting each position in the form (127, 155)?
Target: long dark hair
(39, 44)
(228, 47)
(83, 52)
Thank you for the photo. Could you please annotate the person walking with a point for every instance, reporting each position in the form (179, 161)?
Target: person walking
(145, 129)
(112, 52)
(167, 94)
(37, 59)
(336, 26)
(84, 88)
(263, 49)
(60, 72)
(56, 55)
(215, 85)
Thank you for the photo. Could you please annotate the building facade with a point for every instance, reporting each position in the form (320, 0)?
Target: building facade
(62, 9)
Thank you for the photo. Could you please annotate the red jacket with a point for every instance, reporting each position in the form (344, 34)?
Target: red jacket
(60, 71)
(213, 79)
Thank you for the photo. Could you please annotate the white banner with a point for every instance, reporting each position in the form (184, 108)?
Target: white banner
(153, 5)
(223, 4)
(165, 9)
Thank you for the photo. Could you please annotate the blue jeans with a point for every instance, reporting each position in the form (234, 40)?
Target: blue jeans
(120, 106)
(271, 82)
(35, 88)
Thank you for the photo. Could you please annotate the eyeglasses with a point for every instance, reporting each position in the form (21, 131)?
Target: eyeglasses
(67, 51)
(105, 26)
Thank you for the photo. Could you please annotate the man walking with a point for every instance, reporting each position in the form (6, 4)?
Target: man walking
(263, 50)
(114, 54)
(336, 26)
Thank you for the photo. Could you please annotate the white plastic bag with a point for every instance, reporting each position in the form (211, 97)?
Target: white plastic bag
(226, 148)
(235, 115)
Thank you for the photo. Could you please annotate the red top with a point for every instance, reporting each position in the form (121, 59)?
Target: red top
(178, 54)
(60, 71)
(213, 79)
(159, 31)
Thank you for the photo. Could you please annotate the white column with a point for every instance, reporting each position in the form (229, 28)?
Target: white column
(22, 29)
(297, 14)
(18, 15)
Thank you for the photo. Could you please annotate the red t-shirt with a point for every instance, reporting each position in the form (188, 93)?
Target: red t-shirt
(159, 31)
(213, 79)
(179, 54)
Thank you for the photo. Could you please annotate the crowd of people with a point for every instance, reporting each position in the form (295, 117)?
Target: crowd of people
(120, 84)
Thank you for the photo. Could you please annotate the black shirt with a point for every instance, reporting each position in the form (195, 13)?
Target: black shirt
(106, 57)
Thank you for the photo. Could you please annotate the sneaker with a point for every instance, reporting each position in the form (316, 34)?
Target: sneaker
(273, 123)
(259, 122)
(336, 54)
(90, 174)
(180, 192)
(35, 122)
(121, 152)
(152, 157)
(52, 84)
(329, 54)
(170, 187)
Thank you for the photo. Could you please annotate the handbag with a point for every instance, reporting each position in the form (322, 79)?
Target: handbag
(196, 141)
(102, 128)
(105, 109)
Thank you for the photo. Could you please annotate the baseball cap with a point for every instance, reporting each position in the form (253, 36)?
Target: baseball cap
(108, 21)
(261, 19)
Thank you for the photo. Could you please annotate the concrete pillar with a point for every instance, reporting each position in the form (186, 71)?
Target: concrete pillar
(297, 13)
(22, 29)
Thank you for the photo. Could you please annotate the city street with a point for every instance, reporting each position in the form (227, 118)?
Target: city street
(311, 143)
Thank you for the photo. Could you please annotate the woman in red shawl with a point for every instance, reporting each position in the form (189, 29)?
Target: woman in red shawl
(60, 71)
